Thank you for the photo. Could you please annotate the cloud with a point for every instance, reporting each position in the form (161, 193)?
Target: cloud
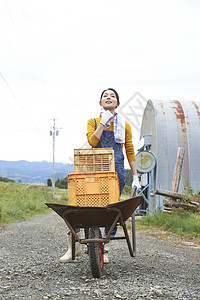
(57, 57)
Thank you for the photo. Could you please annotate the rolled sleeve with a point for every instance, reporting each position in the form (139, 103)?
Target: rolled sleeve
(130, 153)
(92, 139)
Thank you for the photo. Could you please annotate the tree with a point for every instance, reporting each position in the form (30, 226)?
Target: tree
(62, 183)
(49, 182)
(5, 179)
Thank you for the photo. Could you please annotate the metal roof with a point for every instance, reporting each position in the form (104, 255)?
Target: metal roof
(174, 124)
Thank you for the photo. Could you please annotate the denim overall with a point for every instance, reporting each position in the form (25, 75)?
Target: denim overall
(107, 140)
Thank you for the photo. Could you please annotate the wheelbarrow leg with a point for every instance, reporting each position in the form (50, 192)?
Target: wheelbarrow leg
(86, 230)
(133, 234)
(133, 191)
(128, 240)
(73, 247)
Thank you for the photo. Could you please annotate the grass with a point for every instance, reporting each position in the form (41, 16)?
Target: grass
(125, 193)
(20, 201)
(179, 222)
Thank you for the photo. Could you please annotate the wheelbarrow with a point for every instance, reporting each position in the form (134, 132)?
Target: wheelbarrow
(92, 219)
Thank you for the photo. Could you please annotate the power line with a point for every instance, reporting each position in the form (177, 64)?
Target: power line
(13, 55)
(20, 41)
(16, 98)
(5, 81)
(31, 38)
(12, 51)
(22, 75)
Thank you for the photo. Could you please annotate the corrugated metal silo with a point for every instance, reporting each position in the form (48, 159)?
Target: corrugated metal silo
(173, 124)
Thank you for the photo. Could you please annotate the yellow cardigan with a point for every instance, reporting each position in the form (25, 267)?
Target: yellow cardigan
(93, 140)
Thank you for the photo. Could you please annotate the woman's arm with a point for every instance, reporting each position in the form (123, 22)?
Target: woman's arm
(98, 132)
(133, 167)
(92, 138)
(130, 153)
(131, 156)
(93, 135)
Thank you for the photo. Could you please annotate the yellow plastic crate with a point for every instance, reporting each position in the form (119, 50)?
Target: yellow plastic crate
(93, 189)
(94, 160)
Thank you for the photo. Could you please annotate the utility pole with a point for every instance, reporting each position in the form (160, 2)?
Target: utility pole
(54, 132)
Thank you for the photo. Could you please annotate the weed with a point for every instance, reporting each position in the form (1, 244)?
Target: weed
(188, 190)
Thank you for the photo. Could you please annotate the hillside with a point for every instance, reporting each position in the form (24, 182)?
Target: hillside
(33, 172)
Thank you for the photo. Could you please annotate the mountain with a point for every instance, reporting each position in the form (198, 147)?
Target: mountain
(33, 172)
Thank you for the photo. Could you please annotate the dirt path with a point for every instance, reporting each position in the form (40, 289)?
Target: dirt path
(30, 268)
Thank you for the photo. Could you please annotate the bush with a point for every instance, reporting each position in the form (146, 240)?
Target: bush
(129, 177)
(126, 190)
(62, 183)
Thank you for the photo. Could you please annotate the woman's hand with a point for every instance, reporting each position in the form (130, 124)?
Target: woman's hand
(136, 183)
(106, 116)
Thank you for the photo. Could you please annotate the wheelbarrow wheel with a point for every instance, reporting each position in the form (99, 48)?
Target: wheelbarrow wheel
(95, 252)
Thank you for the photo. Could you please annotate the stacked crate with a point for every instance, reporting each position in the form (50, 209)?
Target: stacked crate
(94, 182)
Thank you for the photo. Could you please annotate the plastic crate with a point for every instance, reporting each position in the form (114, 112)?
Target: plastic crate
(93, 189)
(94, 160)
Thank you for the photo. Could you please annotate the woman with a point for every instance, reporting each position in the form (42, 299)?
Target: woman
(111, 131)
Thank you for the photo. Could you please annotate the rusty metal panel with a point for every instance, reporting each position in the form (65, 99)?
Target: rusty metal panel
(174, 124)
(193, 133)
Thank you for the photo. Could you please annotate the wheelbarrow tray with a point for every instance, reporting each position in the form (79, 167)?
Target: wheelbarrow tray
(81, 216)
(91, 216)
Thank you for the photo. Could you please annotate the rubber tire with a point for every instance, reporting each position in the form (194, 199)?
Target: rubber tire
(95, 253)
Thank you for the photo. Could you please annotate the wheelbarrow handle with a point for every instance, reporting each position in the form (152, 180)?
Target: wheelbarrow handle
(132, 192)
(133, 224)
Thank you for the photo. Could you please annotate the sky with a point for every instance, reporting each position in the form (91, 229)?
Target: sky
(56, 57)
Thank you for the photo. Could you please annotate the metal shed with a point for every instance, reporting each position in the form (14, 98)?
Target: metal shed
(172, 124)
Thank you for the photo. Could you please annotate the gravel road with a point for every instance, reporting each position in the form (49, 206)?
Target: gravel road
(30, 268)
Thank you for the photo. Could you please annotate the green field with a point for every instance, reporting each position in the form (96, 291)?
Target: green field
(20, 201)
